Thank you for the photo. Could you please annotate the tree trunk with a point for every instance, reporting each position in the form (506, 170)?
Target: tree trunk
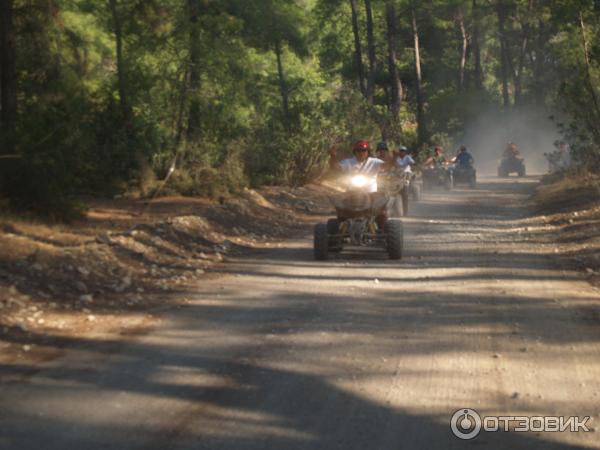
(358, 49)
(476, 46)
(396, 84)
(518, 74)
(421, 125)
(8, 77)
(194, 114)
(537, 61)
(121, 76)
(179, 113)
(464, 48)
(283, 88)
(589, 82)
(371, 50)
(504, 63)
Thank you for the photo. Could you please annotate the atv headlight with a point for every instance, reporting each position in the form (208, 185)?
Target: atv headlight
(359, 181)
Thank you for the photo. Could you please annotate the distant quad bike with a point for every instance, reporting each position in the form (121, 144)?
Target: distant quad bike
(509, 165)
(437, 176)
(356, 225)
(465, 174)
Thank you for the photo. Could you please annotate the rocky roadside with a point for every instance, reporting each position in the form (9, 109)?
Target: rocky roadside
(114, 271)
(567, 213)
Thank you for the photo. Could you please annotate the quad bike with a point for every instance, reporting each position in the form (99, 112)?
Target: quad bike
(396, 184)
(511, 164)
(465, 174)
(356, 224)
(437, 176)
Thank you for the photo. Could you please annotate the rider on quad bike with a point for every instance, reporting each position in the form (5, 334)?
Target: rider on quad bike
(436, 171)
(512, 151)
(361, 212)
(463, 158)
(512, 161)
(361, 163)
(438, 159)
(463, 167)
(404, 160)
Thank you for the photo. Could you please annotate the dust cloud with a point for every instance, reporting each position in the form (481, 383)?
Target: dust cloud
(533, 131)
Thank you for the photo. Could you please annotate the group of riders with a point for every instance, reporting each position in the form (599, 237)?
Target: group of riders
(363, 162)
(386, 162)
(378, 188)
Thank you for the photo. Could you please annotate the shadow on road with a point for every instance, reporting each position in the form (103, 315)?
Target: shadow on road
(276, 354)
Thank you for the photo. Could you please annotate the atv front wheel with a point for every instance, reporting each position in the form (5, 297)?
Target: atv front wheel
(396, 208)
(416, 193)
(394, 234)
(449, 183)
(333, 229)
(405, 202)
(321, 242)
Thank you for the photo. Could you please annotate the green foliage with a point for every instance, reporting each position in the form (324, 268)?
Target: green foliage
(198, 82)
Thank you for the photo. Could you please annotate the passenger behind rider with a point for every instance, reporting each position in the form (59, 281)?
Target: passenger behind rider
(363, 164)
(383, 152)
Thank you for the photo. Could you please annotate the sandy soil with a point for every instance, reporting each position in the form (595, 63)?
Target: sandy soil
(279, 351)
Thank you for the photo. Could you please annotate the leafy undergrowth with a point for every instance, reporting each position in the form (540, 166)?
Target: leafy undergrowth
(568, 213)
(127, 259)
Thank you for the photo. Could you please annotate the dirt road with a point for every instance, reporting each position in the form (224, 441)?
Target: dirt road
(281, 352)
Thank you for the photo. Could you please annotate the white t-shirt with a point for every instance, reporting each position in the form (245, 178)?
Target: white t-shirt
(370, 167)
(405, 162)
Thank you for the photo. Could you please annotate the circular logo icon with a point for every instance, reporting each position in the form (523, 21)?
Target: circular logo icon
(465, 423)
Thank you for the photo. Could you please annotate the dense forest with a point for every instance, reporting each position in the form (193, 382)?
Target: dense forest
(103, 97)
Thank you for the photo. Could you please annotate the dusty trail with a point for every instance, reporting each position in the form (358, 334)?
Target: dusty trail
(356, 353)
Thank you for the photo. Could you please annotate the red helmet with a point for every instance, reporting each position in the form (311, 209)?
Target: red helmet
(361, 145)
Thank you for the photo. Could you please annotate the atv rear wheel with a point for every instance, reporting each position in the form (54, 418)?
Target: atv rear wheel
(394, 234)
(321, 242)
